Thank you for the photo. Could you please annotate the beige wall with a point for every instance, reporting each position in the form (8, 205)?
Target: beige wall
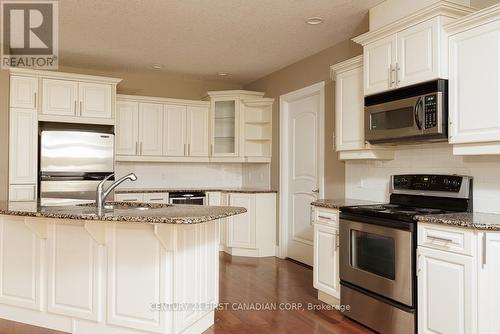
(483, 3)
(157, 83)
(308, 71)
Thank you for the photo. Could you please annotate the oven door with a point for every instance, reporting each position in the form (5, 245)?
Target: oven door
(389, 121)
(377, 258)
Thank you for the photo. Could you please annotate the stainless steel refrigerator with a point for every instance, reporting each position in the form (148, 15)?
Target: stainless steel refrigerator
(72, 163)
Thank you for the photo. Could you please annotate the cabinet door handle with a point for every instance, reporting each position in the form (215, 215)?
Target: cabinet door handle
(316, 191)
(391, 75)
(323, 217)
(76, 110)
(418, 262)
(129, 200)
(311, 215)
(81, 108)
(334, 243)
(137, 148)
(337, 240)
(440, 239)
(189, 149)
(484, 249)
(140, 147)
(184, 149)
(397, 74)
(156, 199)
(34, 100)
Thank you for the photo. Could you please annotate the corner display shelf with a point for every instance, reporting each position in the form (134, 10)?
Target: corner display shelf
(258, 128)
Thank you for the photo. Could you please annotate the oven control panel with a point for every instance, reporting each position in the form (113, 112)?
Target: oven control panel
(430, 114)
(443, 183)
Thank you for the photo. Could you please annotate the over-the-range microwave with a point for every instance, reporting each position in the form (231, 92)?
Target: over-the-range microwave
(411, 114)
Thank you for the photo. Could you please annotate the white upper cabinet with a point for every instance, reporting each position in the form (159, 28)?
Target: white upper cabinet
(127, 128)
(410, 50)
(95, 100)
(379, 60)
(174, 130)
(418, 54)
(60, 97)
(23, 152)
(197, 131)
(160, 129)
(349, 113)
(241, 126)
(474, 83)
(150, 128)
(23, 92)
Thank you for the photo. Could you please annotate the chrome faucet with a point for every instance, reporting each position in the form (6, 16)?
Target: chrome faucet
(102, 194)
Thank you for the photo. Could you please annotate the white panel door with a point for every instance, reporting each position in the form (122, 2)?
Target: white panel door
(19, 264)
(74, 272)
(446, 288)
(23, 145)
(489, 289)
(326, 260)
(174, 130)
(136, 278)
(304, 171)
(150, 129)
(59, 97)
(418, 53)
(474, 82)
(349, 111)
(95, 100)
(23, 92)
(127, 128)
(198, 131)
(379, 58)
(240, 229)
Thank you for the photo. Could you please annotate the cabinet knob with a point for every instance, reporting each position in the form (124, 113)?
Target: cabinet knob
(316, 191)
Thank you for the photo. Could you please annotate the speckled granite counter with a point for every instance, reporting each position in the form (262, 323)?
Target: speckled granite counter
(124, 212)
(167, 190)
(476, 220)
(340, 202)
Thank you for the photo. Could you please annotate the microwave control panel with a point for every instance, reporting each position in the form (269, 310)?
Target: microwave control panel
(430, 107)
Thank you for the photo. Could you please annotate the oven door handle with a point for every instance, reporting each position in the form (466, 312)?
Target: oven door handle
(419, 106)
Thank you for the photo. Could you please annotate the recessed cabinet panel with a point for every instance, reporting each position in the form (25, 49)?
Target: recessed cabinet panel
(198, 131)
(379, 58)
(474, 85)
(150, 128)
(418, 53)
(23, 144)
(127, 128)
(240, 229)
(23, 92)
(326, 260)
(174, 130)
(95, 100)
(60, 97)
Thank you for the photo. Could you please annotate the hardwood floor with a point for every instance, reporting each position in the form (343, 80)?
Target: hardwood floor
(273, 281)
(246, 282)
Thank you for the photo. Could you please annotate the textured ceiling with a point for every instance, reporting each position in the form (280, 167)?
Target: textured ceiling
(247, 38)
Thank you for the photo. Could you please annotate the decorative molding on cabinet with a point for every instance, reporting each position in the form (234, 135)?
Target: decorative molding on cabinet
(162, 100)
(474, 19)
(441, 8)
(344, 66)
(368, 154)
(63, 75)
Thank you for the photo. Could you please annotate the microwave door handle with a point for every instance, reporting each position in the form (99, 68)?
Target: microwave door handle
(418, 107)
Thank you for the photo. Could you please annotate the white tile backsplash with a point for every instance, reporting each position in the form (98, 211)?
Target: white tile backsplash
(192, 175)
(369, 180)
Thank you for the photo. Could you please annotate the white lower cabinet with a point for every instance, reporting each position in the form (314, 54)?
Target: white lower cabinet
(252, 233)
(446, 284)
(326, 260)
(488, 283)
(326, 254)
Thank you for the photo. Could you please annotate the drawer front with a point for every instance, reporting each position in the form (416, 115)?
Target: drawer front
(22, 192)
(325, 216)
(456, 240)
(132, 197)
(160, 198)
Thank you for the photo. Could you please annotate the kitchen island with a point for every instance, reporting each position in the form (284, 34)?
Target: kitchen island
(140, 268)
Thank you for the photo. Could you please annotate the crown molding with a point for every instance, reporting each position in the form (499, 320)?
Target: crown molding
(63, 75)
(345, 65)
(442, 8)
(162, 100)
(473, 20)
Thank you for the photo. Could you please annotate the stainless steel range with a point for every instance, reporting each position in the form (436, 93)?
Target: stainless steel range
(378, 249)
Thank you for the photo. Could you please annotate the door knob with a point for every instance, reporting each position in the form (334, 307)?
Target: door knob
(316, 191)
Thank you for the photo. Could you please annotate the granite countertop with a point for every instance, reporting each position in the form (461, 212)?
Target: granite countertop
(340, 202)
(167, 190)
(124, 212)
(476, 220)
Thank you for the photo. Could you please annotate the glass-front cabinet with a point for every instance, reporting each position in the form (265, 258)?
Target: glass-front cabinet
(225, 128)
(241, 126)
